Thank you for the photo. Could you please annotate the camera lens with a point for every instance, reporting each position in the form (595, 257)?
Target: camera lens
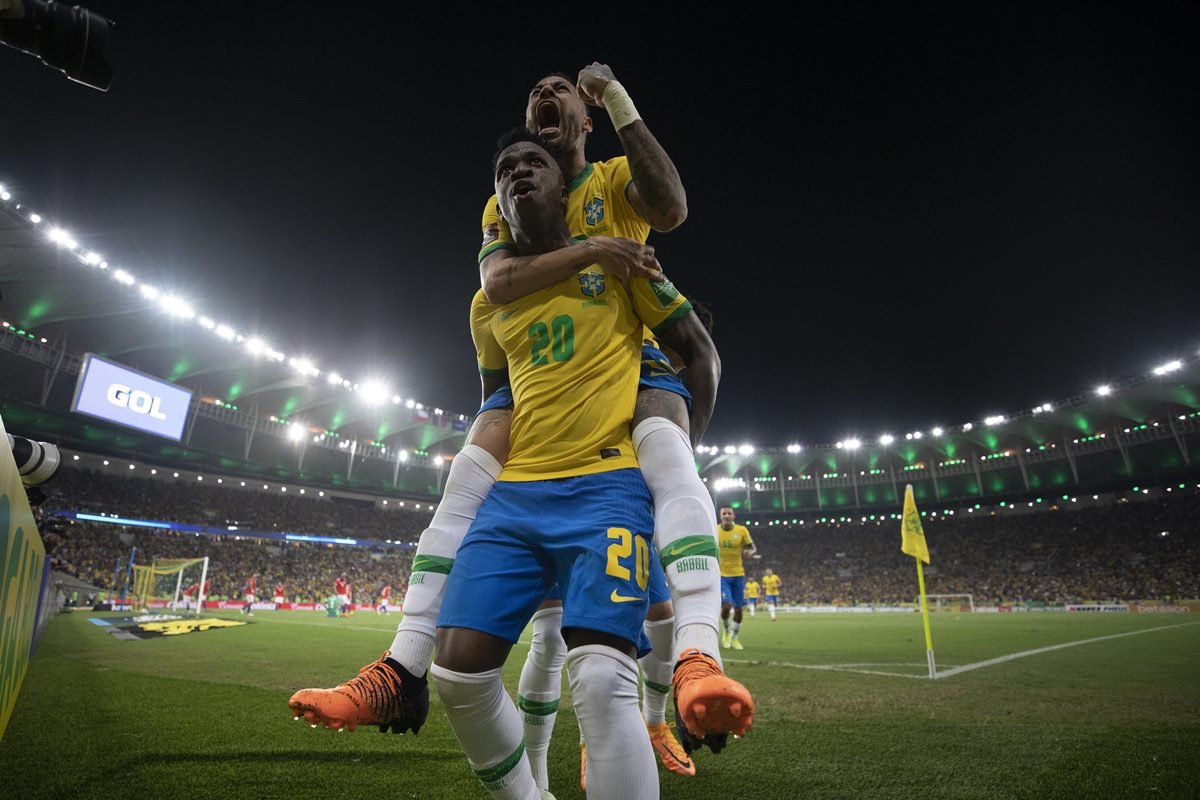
(36, 461)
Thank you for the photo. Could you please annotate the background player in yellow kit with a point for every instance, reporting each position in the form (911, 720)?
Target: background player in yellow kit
(736, 544)
(752, 594)
(771, 584)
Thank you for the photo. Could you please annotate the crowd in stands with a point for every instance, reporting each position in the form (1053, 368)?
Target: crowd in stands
(1121, 551)
(1117, 552)
(178, 500)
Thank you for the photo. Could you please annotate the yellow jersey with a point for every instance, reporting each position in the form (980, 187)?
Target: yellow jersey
(731, 543)
(771, 584)
(752, 589)
(571, 352)
(597, 204)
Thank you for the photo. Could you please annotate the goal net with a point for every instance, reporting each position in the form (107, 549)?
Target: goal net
(178, 582)
(950, 602)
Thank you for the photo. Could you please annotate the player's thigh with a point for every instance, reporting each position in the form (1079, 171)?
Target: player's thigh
(661, 403)
(491, 431)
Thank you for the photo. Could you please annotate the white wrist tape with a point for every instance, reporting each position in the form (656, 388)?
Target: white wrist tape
(620, 107)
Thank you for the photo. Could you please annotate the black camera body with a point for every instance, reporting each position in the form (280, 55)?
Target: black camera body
(69, 38)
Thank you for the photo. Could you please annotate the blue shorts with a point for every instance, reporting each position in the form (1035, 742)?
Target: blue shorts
(658, 582)
(657, 373)
(733, 591)
(753, 601)
(773, 599)
(592, 534)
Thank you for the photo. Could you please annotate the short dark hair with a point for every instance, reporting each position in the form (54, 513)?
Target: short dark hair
(722, 508)
(516, 136)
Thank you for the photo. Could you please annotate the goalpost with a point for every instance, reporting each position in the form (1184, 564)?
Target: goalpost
(951, 602)
(166, 579)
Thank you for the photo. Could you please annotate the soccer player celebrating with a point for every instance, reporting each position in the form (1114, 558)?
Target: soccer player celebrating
(735, 543)
(385, 594)
(570, 505)
(752, 595)
(771, 584)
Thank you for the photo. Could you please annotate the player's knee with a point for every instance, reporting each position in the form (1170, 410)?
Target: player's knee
(548, 649)
(600, 675)
(462, 691)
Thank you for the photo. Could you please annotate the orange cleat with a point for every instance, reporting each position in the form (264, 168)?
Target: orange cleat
(670, 751)
(379, 695)
(709, 705)
(583, 766)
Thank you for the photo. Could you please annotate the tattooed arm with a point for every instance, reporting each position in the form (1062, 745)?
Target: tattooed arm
(507, 276)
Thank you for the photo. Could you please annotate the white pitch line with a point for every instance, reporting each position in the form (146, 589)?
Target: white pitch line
(991, 662)
(826, 667)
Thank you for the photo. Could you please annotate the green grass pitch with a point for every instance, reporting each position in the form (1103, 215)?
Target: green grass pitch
(205, 714)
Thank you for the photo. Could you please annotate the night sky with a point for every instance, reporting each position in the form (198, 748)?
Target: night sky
(901, 216)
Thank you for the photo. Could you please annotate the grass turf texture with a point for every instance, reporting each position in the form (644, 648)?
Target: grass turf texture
(207, 712)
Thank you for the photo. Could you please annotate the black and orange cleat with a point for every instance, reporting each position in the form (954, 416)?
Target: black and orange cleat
(383, 693)
(709, 705)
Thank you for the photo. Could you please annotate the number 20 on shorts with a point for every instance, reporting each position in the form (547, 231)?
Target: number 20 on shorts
(624, 546)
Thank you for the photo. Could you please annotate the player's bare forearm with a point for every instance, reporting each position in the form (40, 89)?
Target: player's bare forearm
(657, 191)
(506, 276)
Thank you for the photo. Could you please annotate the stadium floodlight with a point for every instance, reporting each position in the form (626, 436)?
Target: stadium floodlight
(226, 332)
(403, 457)
(205, 322)
(304, 366)
(256, 346)
(995, 419)
(730, 449)
(967, 427)
(374, 393)
(793, 448)
(334, 378)
(92, 258)
(1170, 366)
(852, 444)
(746, 450)
(410, 403)
(176, 307)
(886, 439)
(5, 196)
(396, 399)
(59, 236)
(1104, 391)
(148, 292)
(36, 219)
(296, 431)
(917, 434)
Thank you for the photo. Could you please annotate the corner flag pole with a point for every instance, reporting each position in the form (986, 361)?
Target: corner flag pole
(925, 619)
(912, 542)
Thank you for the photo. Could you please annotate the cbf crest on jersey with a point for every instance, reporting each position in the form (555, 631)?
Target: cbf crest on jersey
(593, 212)
(591, 284)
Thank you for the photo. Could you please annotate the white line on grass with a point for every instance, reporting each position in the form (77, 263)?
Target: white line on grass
(949, 671)
(991, 662)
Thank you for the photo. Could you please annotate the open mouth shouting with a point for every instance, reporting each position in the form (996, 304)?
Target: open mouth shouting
(522, 189)
(549, 119)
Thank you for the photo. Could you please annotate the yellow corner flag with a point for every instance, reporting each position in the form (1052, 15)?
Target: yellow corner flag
(912, 535)
(912, 542)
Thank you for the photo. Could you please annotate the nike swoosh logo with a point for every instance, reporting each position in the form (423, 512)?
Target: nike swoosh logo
(689, 546)
(620, 598)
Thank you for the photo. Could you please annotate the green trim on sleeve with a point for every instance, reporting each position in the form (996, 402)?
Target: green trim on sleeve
(492, 373)
(670, 321)
(491, 248)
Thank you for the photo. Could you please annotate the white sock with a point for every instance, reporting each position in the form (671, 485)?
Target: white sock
(771, 608)
(472, 474)
(725, 624)
(657, 668)
(540, 688)
(620, 760)
(685, 532)
(488, 728)
(752, 609)
(735, 626)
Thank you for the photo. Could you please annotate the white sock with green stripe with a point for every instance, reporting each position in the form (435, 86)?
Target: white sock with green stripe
(658, 666)
(488, 728)
(472, 474)
(685, 532)
(540, 688)
(620, 761)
